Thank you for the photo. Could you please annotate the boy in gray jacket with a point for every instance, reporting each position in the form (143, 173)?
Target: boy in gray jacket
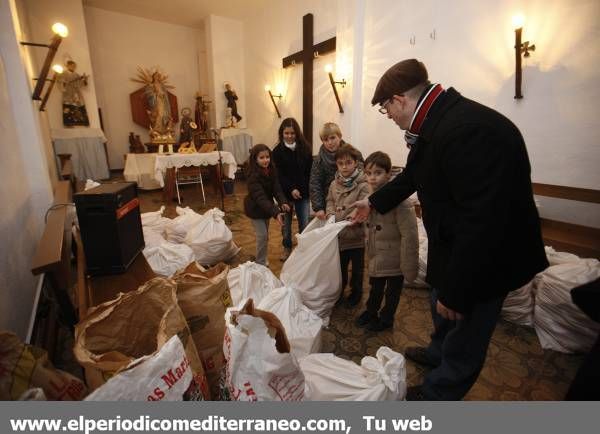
(392, 249)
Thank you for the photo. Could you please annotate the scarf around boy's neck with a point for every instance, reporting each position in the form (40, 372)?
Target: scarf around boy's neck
(431, 95)
(326, 156)
(347, 182)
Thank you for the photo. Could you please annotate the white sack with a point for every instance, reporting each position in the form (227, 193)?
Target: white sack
(164, 376)
(559, 323)
(419, 282)
(331, 378)
(90, 184)
(166, 258)
(518, 305)
(251, 280)
(255, 370)
(555, 258)
(176, 230)
(302, 326)
(313, 268)
(211, 239)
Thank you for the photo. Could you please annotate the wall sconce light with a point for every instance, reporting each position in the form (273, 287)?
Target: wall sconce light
(268, 89)
(58, 69)
(60, 32)
(521, 48)
(328, 70)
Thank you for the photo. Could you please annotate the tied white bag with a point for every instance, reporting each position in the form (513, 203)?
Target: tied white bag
(251, 280)
(331, 378)
(559, 324)
(302, 326)
(166, 258)
(258, 366)
(211, 239)
(313, 268)
(419, 282)
(164, 376)
(176, 230)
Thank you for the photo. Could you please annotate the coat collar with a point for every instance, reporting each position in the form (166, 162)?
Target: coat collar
(444, 103)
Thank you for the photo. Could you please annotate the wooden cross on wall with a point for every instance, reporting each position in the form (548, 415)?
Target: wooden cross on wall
(306, 57)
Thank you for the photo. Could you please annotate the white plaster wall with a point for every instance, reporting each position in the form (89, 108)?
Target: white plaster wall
(225, 49)
(120, 43)
(26, 190)
(271, 34)
(41, 14)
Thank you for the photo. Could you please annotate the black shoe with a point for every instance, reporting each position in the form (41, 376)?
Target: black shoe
(379, 326)
(353, 299)
(366, 319)
(415, 393)
(419, 355)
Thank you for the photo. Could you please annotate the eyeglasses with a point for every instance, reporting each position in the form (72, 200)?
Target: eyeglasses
(383, 109)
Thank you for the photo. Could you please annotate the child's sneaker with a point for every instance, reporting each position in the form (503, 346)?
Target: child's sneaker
(365, 319)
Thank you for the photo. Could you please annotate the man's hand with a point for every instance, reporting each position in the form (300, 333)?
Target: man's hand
(280, 219)
(448, 313)
(361, 213)
(321, 215)
(285, 207)
(296, 194)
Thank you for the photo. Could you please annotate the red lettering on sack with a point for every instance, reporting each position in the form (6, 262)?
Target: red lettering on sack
(288, 387)
(170, 377)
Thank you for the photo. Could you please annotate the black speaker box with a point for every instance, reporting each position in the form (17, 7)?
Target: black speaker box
(111, 226)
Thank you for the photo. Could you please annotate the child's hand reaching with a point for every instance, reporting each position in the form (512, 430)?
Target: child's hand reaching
(280, 219)
(285, 207)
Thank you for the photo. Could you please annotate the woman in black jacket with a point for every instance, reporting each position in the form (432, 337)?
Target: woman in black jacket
(263, 187)
(293, 159)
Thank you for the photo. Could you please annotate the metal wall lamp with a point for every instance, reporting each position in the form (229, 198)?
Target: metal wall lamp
(60, 32)
(268, 89)
(521, 49)
(328, 70)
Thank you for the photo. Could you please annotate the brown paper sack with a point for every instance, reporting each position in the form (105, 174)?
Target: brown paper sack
(203, 296)
(134, 325)
(24, 366)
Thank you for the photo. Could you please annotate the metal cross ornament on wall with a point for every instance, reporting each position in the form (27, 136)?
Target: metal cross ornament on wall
(306, 56)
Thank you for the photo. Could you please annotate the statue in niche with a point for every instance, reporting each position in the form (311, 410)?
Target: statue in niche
(232, 97)
(187, 127)
(71, 82)
(158, 104)
(201, 113)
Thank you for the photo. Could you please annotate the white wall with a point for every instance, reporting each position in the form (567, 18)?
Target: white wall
(271, 34)
(41, 14)
(120, 43)
(472, 51)
(26, 190)
(225, 49)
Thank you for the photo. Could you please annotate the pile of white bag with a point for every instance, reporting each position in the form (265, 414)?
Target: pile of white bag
(171, 244)
(419, 282)
(545, 303)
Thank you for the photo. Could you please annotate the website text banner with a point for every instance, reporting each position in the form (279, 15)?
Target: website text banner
(307, 417)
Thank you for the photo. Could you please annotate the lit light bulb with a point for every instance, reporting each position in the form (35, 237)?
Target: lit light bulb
(267, 87)
(328, 68)
(60, 29)
(518, 20)
(57, 68)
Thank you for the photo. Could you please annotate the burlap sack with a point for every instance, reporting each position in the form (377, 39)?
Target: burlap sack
(117, 333)
(23, 367)
(203, 296)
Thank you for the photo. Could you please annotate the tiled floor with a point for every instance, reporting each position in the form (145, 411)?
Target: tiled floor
(516, 367)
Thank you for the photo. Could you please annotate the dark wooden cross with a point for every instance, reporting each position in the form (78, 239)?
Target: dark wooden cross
(306, 57)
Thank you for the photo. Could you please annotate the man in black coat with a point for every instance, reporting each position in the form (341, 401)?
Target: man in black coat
(470, 169)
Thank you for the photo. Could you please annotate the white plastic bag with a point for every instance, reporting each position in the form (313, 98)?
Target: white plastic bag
(302, 326)
(211, 239)
(313, 268)
(419, 282)
(164, 376)
(251, 280)
(166, 258)
(559, 323)
(518, 305)
(259, 367)
(555, 258)
(331, 378)
(176, 230)
(90, 183)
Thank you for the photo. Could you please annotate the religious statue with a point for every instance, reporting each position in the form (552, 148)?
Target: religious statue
(231, 102)
(187, 127)
(201, 113)
(157, 105)
(229, 119)
(70, 82)
(135, 144)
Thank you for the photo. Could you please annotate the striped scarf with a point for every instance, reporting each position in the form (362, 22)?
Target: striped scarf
(412, 134)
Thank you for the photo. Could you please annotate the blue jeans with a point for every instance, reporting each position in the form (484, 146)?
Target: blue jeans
(459, 348)
(301, 208)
